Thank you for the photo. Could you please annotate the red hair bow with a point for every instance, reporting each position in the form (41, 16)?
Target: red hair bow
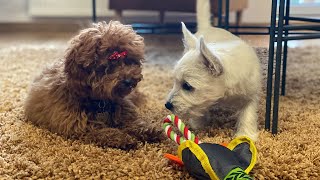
(116, 55)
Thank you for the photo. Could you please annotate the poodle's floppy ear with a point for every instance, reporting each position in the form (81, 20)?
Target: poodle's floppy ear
(82, 51)
(188, 38)
(211, 61)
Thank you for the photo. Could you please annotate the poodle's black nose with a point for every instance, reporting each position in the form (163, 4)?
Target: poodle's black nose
(128, 82)
(169, 105)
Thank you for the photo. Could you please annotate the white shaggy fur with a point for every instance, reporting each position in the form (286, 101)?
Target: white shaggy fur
(221, 69)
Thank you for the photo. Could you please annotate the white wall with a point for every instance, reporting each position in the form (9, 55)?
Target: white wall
(259, 11)
(14, 11)
(67, 8)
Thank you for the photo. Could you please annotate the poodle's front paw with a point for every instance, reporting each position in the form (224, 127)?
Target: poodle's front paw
(110, 137)
(152, 134)
(145, 132)
(131, 144)
(125, 143)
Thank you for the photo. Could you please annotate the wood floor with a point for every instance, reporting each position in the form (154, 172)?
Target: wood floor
(41, 37)
(263, 41)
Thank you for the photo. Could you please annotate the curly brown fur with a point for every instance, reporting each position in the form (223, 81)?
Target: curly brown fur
(59, 97)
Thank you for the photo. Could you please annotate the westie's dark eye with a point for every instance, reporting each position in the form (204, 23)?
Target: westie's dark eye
(186, 86)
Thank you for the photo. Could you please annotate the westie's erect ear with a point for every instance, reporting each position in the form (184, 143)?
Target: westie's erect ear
(188, 38)
(210, 60)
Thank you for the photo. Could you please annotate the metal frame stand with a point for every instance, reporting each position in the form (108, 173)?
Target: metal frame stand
(94, 14)
(279, 36)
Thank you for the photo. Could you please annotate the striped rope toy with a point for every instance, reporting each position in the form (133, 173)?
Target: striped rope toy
(187, 135)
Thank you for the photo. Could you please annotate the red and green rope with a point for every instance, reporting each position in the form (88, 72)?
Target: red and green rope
(187, 135)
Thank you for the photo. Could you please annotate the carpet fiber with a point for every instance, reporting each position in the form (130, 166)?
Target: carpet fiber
(27, 151)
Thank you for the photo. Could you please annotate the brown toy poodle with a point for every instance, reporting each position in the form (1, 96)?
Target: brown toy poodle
(89, 94)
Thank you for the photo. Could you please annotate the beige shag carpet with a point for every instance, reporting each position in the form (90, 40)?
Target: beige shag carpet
(27, 151)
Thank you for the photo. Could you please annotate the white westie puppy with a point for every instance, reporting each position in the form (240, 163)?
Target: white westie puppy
(217, 68)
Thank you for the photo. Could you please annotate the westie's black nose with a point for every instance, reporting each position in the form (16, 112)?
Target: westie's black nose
(169, 105)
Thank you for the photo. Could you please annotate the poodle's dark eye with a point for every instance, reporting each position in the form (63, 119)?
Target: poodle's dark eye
(186, 86)
(101, 70)
(129, 62)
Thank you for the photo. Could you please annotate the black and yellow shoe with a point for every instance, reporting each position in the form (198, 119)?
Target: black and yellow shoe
(217, 162)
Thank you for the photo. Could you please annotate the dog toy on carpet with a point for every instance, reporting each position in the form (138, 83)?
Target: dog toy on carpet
(211, 161)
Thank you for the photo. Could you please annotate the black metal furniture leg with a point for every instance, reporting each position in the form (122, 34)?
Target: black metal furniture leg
(285, 51)
(94, 15)
(278, 69)
(270, 64)
(219, 13)
(284, 68)
(226, 19)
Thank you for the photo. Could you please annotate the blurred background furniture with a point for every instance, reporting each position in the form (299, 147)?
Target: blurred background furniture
(279, 36)
(220, 9)
(177, 6)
